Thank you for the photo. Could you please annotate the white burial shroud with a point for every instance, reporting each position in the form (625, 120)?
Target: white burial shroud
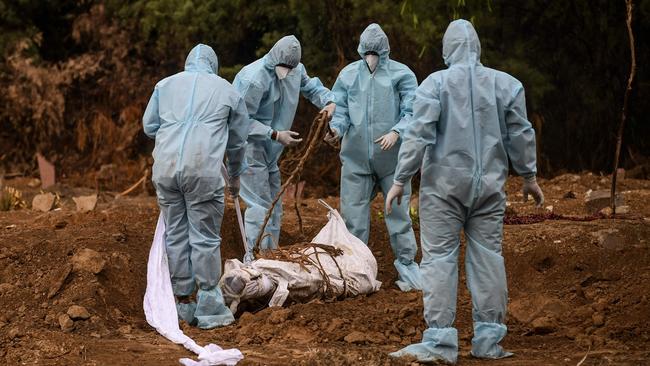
(160, 309)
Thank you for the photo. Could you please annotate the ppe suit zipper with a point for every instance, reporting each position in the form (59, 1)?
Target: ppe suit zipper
(369, 109)
(479, 164)
(478, 173)
(189, 119)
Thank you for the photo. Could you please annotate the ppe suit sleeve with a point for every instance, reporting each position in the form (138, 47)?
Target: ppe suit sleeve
(313, 89)
(520, 143)
(420, 132)
(406, 89)
(151, 118)
(238, 127)
(341, 119)
(253, 94)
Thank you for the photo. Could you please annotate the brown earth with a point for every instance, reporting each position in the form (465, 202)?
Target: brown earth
(575, 288)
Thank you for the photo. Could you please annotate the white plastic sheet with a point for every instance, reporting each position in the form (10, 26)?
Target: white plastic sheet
(160, 308)
(350, 274)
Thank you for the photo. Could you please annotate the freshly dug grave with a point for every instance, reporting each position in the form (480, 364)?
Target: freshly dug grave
(573, 286)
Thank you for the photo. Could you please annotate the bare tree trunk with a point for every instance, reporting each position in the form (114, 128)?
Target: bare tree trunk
(619, 138)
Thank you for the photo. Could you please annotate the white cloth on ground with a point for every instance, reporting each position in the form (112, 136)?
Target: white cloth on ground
(160, 308)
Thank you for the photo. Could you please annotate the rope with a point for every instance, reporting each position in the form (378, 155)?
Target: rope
(297, 253)
(314, 139)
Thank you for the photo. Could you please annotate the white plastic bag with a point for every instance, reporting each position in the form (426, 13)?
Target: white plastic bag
(160, 308)
(350, 274)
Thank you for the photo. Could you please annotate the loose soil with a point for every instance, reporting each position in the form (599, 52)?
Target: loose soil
(576, 288)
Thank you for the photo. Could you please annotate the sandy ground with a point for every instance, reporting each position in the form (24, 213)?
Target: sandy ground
(575, 288)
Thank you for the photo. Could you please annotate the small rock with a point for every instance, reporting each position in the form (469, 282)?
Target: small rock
(598, 319)
(66, 323)
(395, 338)
(570, 195)
(625, 209)
(119, 237)
(59, 280)
(7, 317)
(60, 224)
(43, 202)
(525, 310)
(33, 183)
(549, 208)
(76, 312)
(355, 337)
(335, 324)
(51, 318)
(15, 332)
(88, 260)
(597, 341)
(6, 288)
(600, 306)
(406, 311)
(409, 331)
(607, 211)
(279, 316)
(375, 337)
(85, 203)
(125, 329)
(543, 325)
(610, 239)
(95, 335)
(572, 332)
(597, 200)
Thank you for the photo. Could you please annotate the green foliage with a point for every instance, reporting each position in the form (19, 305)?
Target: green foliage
(572, 57)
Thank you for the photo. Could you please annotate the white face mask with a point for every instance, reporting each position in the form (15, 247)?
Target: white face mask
(372, 61)
(282, 71)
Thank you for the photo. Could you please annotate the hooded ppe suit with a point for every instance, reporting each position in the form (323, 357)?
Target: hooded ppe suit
(195, 117)
(370, 105)
(272, 106)
(468, 122)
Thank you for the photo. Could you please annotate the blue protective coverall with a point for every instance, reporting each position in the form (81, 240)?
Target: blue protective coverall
(195, 117)
(272, 106)
(369, 105)
(468, 122)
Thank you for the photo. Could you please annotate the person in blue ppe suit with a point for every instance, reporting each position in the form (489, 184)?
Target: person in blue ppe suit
(374, 97)
(196, 117)
(469, 121)
(271, 87)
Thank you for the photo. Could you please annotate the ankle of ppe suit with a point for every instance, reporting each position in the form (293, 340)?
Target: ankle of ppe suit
(438, 344)
(485, 343)
(408, 276)
(183, 286)
(211, 311)
(186, 312)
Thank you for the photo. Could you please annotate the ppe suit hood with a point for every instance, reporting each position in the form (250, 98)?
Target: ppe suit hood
(202, 58)
(460, 44)
(285, 51)
(374, 39)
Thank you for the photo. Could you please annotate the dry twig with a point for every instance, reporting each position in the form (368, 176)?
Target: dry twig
(136, 184)
(313, 140)
(621, 127)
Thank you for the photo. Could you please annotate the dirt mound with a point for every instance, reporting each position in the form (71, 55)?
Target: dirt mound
(573, 286)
